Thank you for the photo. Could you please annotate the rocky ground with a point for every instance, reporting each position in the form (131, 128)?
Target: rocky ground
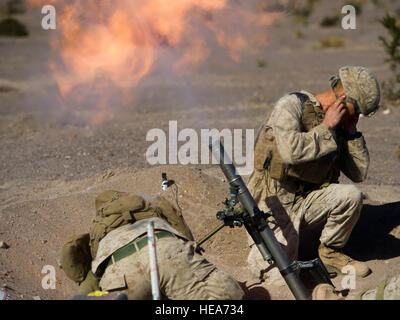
(53, 162)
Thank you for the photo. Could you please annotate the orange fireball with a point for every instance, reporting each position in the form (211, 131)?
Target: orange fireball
(122, 40)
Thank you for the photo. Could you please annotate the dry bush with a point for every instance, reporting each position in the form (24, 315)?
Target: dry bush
(330, 42)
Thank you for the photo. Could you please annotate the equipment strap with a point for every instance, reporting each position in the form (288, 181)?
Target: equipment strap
(380, 290)
(360, 295)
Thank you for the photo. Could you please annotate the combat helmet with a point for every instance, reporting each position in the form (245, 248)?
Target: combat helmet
(361, 88)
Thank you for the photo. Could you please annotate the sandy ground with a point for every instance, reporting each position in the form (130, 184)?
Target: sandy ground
(53, 164)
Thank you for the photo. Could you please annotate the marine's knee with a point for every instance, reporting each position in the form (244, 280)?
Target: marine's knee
(351, 195)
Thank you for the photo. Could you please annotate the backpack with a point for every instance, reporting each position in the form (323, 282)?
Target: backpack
(171, 215)
(75, 257)
(113, 209)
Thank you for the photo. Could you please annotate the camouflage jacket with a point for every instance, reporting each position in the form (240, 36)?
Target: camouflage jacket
(297, 146)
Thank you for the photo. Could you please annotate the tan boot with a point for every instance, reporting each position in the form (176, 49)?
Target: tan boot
(335, 260)
(325, 291)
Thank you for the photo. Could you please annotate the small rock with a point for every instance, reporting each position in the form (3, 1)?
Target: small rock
(7, 287)
(4, 245)
(386, 111)
(108, 174)
(36, 298)
(44, 241)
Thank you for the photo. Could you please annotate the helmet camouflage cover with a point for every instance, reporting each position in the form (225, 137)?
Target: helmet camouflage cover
(361, 85)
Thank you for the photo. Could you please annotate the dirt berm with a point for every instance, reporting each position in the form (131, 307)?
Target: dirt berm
(38, 218)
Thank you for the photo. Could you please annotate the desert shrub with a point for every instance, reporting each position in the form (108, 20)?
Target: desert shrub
(357, 4)
(10, 27)
(261, 63)
(5, 89)
(398, 152)
(267, 6)
(391, 45)
(13, 7)
(298, 34)
(301, 14)
(16, 7)
(330, 21)
(330, 42)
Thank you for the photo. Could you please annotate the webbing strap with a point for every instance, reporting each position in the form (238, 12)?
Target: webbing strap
(381, 290)
(360, 295)
(135, 245)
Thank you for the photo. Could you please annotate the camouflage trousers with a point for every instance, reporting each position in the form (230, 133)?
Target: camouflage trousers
(390, 291)
(183, 275)
(337, 205)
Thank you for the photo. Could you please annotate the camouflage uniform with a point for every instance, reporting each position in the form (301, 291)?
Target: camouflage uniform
(386, 290)
(183, 274)
(324, 152)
